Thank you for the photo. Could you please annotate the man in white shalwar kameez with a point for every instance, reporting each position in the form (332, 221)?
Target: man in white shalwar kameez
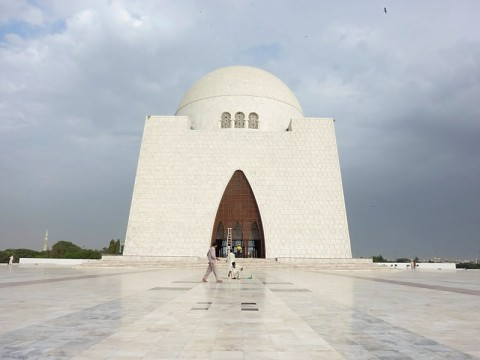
(230, 260)
(212, 266)
(236, 271)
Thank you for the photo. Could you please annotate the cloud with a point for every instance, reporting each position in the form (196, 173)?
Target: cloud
(264, 53)
(21, 12)
(78, 79)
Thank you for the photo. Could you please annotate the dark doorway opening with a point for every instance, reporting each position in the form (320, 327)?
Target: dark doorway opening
(238, 210)
(220, 240)
(254, 241)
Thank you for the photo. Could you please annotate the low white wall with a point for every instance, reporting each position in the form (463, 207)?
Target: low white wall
(420, 266)
(130, 258)
(51, 261)
(324, 260)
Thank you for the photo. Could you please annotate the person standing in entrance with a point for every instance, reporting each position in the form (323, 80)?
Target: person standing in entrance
(212, 266)
(239, 250)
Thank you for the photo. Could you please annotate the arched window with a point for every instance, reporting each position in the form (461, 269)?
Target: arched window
(254, 241)
(220, 232)
(226, 120)
(239, 120)
(253, 121)
(220, 240)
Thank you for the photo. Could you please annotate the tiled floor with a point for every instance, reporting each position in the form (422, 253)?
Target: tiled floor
(86, 313)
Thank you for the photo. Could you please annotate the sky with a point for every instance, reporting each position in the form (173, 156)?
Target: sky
(78, 78)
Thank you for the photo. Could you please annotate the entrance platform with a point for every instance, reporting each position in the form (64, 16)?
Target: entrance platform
(253, 263)
(87, 312)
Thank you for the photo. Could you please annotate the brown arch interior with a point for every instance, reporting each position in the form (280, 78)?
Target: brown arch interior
(238, 210)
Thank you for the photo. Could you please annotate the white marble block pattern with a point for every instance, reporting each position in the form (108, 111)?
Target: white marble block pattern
(187, 160)
(182, 174)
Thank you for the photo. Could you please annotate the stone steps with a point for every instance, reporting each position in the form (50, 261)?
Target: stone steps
(281, 263)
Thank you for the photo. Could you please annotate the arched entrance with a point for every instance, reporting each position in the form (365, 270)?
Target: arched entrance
(238, 210)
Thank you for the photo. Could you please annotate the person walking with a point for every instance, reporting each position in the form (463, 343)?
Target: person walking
(212, 266)
(10, 260)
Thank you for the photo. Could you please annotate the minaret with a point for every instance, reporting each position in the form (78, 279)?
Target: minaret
(45, 242)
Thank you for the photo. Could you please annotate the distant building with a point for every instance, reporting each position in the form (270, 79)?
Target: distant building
(238, 155)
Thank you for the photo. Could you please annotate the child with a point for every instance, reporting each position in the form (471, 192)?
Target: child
(235, 271)
(230, 260)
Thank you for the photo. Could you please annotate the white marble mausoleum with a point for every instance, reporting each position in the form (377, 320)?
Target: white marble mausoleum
(238, 160)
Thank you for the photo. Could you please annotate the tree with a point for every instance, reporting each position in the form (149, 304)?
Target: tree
(62, 248)
(17, 254)
(378, 258)
(114, 247)
(111, 247)
(84, 254)
(468, 265)
(4, 256)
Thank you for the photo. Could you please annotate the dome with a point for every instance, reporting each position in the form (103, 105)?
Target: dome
(240, 91)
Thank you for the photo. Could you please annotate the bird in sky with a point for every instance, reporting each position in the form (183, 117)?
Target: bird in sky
(385, 10)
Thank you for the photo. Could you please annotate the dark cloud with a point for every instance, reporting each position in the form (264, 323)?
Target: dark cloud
(78, 80)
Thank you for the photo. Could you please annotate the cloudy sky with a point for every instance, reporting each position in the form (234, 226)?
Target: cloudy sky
(77, 79)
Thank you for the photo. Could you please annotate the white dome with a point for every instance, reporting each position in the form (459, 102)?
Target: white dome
(240, 89)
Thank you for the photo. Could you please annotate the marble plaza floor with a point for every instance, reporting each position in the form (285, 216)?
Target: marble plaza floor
(59, 312)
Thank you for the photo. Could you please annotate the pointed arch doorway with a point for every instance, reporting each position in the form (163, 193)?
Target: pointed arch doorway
(238, 210)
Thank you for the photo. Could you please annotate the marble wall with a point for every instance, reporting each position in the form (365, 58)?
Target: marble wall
(182, 174)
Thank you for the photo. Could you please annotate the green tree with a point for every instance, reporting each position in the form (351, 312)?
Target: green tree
(468, 265)
(4, 256)
(111, 247)
(378, 258)
(83, 254)
(22, 253)
(62, 248)
(17, 254)
(117, 247)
